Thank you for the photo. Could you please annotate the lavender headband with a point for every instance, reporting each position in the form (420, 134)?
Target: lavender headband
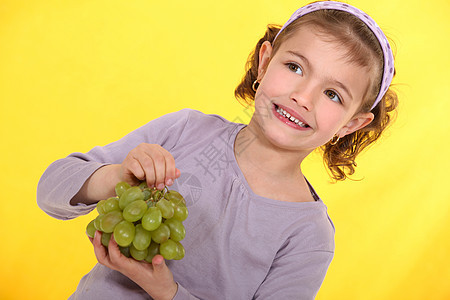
(388, 71)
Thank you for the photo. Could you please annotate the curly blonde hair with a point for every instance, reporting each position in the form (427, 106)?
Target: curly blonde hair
(363, 49)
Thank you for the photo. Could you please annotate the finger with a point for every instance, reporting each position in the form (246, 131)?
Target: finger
(132, 170)
(159, 162)
(114, 252)
(100, 252)
(158, 263)
(123, 264)
(171, 170)
(169, 181)
(136, 168)
(148, 167)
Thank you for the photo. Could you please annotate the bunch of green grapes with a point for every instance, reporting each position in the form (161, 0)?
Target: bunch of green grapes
(144, 222)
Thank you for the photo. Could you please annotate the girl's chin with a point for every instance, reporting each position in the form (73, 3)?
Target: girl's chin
(281, 139)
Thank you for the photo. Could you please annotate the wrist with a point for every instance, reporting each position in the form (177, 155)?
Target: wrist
(167, 293)
(100, 185)
(103, 182)
(111, 176)
(174, 291)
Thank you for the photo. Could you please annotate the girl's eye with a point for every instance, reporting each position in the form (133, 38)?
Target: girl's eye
(333, 96)
(295, 68)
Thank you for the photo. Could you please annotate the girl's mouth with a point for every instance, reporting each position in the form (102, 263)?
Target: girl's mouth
(287, 118)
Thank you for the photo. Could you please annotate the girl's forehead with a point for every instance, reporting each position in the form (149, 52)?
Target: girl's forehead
(311, 38)
(314, 39)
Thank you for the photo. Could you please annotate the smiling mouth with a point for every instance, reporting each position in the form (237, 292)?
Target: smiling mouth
(290, 118)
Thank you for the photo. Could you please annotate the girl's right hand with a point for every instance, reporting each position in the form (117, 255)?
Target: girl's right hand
(149, 162)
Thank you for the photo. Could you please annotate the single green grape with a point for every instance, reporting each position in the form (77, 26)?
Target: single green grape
(124, 233)
(100, 207)
(180, 213)
(125, 251)
(97, 222)
(177, 230)
(90, 229)
(165, 207)
(175, 197)
(168, 249)
(152, 218)
(172, 204)
(132, 194)
(121, 187)
(143, 185)
(153, 250)
(181, 251)
(161, 234)
(105, 238)
(110, 220)
(138, 254)
(111, 204)
(142, 238)
(147, 194)
(135, 210)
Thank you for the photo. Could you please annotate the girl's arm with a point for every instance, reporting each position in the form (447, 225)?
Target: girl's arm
(71, 186)
(100, 185)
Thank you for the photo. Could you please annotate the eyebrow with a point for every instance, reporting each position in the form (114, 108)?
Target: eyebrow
(342, 86)
(300, 56)
(333, 81)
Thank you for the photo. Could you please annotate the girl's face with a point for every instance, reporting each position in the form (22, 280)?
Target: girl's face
(309, 92)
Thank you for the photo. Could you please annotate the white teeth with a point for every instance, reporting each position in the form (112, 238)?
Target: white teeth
(291, 118)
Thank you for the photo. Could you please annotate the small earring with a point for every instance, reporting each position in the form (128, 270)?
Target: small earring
(254, 87)
(334, 140)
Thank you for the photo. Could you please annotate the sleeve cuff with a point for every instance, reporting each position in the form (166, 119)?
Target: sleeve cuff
(183, 294)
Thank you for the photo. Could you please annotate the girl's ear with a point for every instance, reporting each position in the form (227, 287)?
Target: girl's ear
(265, 53)
(358, 122)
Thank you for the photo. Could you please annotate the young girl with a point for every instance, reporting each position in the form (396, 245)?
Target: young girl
(256, 228)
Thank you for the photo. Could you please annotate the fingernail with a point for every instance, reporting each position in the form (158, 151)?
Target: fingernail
(160, 186)
(169, 181)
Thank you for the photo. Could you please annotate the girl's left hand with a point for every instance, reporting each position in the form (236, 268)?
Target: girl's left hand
(155, 278)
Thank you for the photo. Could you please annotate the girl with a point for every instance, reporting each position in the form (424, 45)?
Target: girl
(256, 229)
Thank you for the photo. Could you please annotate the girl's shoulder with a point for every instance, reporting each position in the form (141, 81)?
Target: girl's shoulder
(186, 127)
(196, 122)
(193, 115)
(185, 120)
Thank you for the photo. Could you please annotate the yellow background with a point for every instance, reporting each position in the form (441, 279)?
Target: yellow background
(76, 74)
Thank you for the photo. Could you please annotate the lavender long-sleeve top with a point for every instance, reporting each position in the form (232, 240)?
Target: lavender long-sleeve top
(239, 245)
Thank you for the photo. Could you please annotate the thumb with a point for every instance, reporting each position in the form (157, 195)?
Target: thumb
(158, 263)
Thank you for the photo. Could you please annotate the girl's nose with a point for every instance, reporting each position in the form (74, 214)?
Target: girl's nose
(305, 96)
